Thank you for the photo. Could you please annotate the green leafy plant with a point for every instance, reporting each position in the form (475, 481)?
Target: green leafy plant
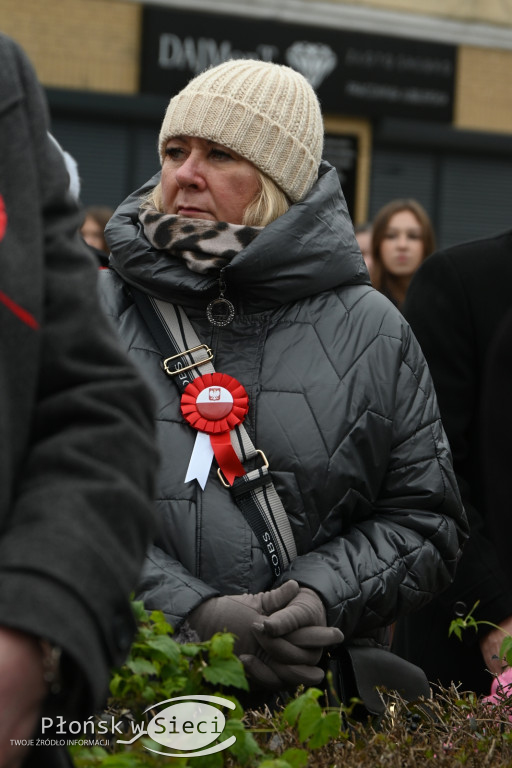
(460, 624)
(158, 668)
(454, 728)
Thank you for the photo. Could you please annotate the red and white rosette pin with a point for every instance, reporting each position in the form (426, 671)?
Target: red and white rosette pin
(214, 404)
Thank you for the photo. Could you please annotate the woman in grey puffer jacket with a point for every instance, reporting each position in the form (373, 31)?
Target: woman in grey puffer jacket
(340, 400)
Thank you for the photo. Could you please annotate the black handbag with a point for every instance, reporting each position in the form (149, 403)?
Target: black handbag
(358, 671)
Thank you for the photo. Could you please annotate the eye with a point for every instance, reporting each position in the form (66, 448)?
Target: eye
(175, 153)
(220, 154)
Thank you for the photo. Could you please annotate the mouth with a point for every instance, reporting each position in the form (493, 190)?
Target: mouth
(192, 212)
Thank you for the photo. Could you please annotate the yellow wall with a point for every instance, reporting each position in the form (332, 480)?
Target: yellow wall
(484, 94)
(95, 45)
(482, 11)
(78, 44)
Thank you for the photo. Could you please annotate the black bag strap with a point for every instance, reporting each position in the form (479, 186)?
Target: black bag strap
(184, 359)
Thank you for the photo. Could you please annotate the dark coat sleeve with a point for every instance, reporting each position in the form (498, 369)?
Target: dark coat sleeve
(166, 585)
(440, 312)
(77, 443)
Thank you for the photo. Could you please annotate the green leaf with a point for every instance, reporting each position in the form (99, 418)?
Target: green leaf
(160, 624)
(116, 684)
(123, 760)
(455, 628)
(293, 710)
(297, 758)
(87, 756)
(137, 683)
(506, 649)
(325, 731)
(229, 672)
(221, 645)
(245, 745)
(309, 720)
(139, 611)
(141, 667)
(166, 646)
(190, 649)
(150, 694)
(207, 761)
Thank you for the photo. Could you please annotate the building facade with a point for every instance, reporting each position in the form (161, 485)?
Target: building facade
(416, 94)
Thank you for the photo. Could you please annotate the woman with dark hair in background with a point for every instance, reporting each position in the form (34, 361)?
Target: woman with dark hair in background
(402, 237)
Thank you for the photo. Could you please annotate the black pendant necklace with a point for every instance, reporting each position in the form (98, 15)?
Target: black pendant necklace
(220, 311)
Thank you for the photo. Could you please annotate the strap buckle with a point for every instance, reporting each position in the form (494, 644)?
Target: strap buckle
(223, 479)
(192, 365)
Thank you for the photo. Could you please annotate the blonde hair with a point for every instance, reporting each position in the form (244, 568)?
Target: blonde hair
(269, 203)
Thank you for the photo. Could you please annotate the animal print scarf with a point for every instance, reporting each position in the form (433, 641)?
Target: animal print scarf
(203, 245)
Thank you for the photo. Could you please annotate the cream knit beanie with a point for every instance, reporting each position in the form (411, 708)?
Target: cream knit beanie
(267, 113)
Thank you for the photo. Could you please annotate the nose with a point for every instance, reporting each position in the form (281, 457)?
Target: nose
(190, 173)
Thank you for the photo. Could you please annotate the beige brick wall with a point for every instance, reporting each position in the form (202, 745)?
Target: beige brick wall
(94, 45)
(78, 44)
(484, 93)
(482, 11)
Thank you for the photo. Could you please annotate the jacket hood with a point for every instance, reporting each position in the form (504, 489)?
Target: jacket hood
(310, 249)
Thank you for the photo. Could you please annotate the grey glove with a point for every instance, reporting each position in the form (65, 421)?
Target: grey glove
(266, 673)
(304, 610)
(237, 613)
(303, 646)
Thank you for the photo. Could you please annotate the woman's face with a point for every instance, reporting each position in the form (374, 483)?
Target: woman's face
(401, 249)
(204, 180)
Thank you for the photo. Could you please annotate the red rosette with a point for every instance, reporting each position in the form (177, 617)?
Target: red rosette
(214, 403)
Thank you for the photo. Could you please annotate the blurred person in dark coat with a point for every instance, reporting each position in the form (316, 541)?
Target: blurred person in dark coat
(76, 443)
(497, 441)
(455, 303)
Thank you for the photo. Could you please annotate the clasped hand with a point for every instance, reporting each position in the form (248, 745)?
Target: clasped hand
(280, 634)
(22, 690)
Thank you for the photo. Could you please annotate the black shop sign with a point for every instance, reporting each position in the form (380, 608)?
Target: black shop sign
(353, 73)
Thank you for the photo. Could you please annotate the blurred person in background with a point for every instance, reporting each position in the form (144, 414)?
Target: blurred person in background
(363, 234)
(402, 238)
(77, 453)
(496, 441)
(245, 237)
(93, 230)
(456, 303)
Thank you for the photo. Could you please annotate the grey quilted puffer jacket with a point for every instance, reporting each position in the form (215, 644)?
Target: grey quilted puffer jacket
(341, 403)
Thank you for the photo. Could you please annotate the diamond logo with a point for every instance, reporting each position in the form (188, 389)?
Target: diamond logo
(313, 60)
